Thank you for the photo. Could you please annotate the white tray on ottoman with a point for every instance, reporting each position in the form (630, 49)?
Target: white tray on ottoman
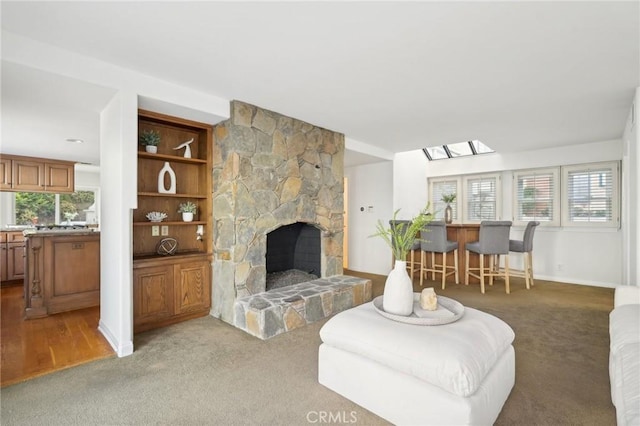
(455, 374)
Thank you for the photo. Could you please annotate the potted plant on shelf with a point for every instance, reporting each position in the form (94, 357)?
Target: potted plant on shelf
(401, 236)
(187, 209)
(150, 139)
(448, 212)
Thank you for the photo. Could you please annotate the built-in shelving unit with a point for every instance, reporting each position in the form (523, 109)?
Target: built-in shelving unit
(172, 288)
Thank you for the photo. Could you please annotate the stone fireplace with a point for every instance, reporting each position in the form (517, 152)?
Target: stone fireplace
(271, 171)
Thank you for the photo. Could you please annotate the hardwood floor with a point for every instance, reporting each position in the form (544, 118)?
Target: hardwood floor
(32, 348)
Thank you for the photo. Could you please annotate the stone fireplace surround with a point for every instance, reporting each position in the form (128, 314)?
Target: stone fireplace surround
(269, 171)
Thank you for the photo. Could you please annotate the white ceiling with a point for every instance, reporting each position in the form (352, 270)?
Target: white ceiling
(397, 76)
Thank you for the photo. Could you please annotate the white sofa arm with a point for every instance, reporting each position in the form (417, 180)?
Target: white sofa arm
(626, 295)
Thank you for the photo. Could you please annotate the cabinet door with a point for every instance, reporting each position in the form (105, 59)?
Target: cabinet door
(193, 288)
(3, 262)
(152, 294)
(27, 175)
(5, 173)
(15, 261)
(59, 177)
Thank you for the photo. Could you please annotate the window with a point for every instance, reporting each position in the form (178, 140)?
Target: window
(536, 196)
(591, 195)
(481, 197)
(43, 208)
(439, 187)
(453, 150)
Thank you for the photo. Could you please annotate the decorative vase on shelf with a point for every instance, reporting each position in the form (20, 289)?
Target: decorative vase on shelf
(398, 291)
(162, 189)
(151, 148)
(187, 217)
(448, 214)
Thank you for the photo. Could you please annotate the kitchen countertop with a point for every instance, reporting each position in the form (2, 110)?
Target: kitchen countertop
(68, 233)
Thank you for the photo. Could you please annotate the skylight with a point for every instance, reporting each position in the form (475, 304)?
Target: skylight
(454, 150)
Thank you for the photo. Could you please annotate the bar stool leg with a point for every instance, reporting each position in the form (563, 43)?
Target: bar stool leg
(455, 263)
(506, 276)
(444, 268)
(466, 267)
(422, 272)
(433, 266)
(530, 255)
(492, 265)
(481, 273)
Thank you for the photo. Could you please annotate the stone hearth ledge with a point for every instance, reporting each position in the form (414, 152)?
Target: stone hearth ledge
(270, 313)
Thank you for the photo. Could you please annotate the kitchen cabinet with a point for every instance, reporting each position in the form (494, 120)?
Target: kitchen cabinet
(176, 287)
(31, 174)
(12, 256)
(62, 272)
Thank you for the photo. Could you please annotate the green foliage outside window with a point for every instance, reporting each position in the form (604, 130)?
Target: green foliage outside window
(37, 207)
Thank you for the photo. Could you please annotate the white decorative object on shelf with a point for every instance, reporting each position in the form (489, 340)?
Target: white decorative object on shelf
(156, 216)
(172, 178)
(187, 151)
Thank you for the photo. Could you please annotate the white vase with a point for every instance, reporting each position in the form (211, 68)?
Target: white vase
(151, 148)
(398, 291)
(187, 217)
(172, 180)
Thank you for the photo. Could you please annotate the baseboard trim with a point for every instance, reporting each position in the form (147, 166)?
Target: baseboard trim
(575, 281)
(122, 350)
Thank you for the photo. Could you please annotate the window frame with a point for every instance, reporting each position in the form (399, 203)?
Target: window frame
(614, 166)
(456, 205)
(557, 185)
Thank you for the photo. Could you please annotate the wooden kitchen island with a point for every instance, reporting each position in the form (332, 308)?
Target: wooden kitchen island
(62, 272)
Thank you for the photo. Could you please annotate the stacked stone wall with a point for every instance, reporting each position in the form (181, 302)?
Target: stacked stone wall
(269, 171)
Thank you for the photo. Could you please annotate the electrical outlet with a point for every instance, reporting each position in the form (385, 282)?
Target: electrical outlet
(164, 230)
(155, 230)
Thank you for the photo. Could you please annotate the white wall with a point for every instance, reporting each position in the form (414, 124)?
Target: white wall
(631, 196)
(118, 146)
(582, 256)
(369, 185)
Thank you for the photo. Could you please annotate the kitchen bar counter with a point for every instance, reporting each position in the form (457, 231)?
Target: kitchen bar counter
(62, 271)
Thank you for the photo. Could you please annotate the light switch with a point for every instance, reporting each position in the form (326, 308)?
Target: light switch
(155, 230)
(164, 230)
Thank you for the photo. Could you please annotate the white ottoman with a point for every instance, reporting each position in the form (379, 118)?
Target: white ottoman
(455, 374)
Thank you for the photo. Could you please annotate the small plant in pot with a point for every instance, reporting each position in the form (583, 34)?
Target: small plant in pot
(187, 209)
(150, 139)
(448, 212)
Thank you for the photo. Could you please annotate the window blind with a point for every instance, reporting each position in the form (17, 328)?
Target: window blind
(481, 198)
(590, 195)
(535, 196)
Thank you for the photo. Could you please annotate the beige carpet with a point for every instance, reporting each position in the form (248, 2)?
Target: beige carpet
(207, 372)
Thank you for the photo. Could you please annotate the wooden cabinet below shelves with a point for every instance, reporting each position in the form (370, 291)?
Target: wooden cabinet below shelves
(169, 290)
(31, 174)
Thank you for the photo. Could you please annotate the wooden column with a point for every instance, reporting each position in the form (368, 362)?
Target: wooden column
(34, 298)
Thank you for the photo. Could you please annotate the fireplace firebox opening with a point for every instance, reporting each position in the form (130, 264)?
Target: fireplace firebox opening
(293, 255)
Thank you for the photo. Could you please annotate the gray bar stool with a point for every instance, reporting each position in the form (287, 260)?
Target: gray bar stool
(525, 246)
(433, 239)
(493, 241)
(412, 265)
